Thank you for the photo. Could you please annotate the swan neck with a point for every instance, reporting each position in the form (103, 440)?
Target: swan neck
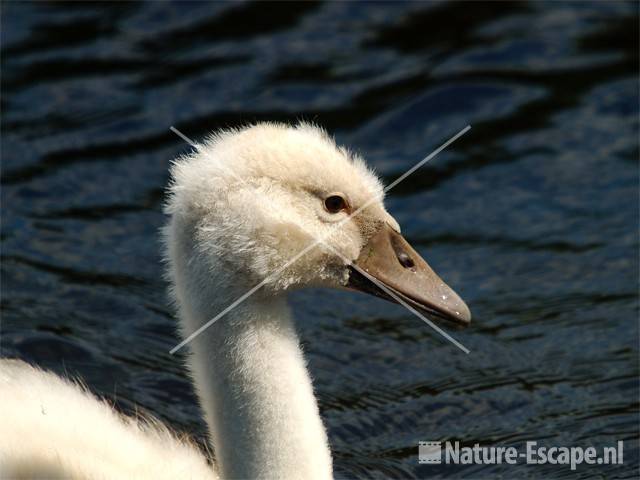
(256, 392)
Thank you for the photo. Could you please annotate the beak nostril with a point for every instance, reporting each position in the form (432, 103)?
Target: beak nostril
(405, 260)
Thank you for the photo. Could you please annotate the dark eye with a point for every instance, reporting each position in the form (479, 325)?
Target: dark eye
(335, 203)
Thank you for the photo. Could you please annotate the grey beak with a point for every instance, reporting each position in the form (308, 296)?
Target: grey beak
(390, 259)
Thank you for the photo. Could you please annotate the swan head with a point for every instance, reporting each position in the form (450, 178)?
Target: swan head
(285, 207)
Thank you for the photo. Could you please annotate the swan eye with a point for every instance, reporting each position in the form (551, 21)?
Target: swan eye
(335, 203)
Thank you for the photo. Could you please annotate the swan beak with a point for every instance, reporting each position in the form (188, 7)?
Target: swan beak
(388, 261)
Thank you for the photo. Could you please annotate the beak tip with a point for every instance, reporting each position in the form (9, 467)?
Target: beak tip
(465, 316)
(462, 313)
(391, 261)
(453, 306)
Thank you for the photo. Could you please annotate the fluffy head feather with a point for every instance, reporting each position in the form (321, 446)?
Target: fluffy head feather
(249, 200)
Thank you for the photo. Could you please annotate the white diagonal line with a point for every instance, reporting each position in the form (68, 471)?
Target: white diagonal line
(321, 240)
(427, 158)
(244, 297)
(184, 137)
(411, 309)
(397, 298)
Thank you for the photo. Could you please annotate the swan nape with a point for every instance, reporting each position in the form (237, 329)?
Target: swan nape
(241, 207)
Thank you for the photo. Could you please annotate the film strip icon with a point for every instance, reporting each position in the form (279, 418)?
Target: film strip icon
(430, 453)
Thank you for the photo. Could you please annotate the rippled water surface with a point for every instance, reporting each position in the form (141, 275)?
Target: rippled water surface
(532, 216)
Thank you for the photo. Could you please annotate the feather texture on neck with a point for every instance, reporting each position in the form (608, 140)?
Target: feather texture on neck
(249, 373)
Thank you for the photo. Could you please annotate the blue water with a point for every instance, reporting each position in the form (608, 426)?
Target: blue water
(532, 216)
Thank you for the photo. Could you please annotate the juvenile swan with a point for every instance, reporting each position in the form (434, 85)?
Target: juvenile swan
(240, 207)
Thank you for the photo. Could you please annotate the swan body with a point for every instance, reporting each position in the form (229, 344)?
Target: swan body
(53, 428)
(240, 207)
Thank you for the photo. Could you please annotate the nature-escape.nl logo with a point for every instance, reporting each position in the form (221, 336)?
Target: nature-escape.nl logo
(533, 454)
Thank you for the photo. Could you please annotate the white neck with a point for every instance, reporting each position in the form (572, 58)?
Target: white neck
(252, 382)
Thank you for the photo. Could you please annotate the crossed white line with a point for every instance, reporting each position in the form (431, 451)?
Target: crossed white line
(321, 241)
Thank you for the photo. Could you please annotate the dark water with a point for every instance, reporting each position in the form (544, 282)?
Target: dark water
(532, 216)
